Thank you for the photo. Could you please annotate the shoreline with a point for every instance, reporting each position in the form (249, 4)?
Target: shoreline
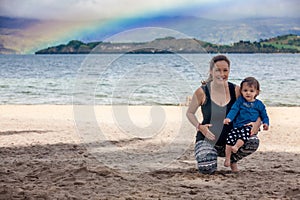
(105, 105)
(39, 117)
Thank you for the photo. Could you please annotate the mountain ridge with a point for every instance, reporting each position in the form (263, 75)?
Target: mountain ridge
(281, 44)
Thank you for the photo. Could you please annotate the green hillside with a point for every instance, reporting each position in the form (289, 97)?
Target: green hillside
(284, 42)
(281, 44)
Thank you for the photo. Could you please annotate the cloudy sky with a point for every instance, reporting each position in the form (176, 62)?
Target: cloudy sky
(103, 9)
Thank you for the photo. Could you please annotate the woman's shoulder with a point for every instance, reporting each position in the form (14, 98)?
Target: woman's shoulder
(200, 91)
(200, 94)
(236, 89)
(231, 84)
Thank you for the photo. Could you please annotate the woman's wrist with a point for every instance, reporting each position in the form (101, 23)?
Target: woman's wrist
(198, 126)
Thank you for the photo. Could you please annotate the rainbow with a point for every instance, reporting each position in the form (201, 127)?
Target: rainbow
(51, 33)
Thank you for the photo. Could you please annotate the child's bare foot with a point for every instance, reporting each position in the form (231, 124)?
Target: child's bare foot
(234, 167)
(227, 162)
(234, 149)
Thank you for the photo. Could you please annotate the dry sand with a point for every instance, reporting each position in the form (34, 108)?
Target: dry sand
(47, 153)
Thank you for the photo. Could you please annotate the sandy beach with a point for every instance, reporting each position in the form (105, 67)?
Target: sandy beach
(137, 152)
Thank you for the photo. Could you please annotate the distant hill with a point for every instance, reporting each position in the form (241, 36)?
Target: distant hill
(22, 35)
(281, 44)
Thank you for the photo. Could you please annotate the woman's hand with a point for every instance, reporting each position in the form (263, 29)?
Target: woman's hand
(206, 132)
(255, 127)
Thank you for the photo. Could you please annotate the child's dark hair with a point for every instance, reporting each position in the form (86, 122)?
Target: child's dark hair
(251, 81)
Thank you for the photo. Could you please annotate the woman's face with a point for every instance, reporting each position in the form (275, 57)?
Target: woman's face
(220, 72)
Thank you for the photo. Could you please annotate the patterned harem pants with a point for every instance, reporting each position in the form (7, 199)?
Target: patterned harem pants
(206, 154)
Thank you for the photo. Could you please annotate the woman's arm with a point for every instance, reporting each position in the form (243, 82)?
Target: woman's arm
(255, 126)
(194, 105)
(197, 100)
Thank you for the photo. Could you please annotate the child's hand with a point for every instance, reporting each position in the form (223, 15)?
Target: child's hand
(227, 121)
(266, 127)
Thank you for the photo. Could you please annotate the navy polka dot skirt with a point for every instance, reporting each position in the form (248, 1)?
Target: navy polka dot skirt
(242, 133)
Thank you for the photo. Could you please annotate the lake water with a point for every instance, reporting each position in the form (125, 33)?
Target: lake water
(138, 79)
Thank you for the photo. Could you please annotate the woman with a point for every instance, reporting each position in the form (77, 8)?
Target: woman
(215, 97)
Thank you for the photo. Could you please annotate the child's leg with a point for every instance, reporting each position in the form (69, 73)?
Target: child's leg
(239, 143)
(234, 167)
(230, 141)
(227, 155)
(242, 137)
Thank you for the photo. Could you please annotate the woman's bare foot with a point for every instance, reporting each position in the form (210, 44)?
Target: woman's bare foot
(234, 167)
(227, 162)
(234, 149)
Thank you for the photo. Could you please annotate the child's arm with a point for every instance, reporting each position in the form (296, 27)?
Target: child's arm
(226, 121)
(264, 116)
(266, 127)
(233, 111)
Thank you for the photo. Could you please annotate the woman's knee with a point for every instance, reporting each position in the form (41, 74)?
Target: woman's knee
(252, 144)
(247, 149)
(206, 165)
(206, 156)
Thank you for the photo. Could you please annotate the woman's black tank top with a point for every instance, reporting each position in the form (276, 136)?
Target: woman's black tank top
(215, 114)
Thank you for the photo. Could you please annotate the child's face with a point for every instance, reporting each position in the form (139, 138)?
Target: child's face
(249, 92)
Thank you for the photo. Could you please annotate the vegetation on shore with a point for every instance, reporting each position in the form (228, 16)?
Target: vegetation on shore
(281, 44)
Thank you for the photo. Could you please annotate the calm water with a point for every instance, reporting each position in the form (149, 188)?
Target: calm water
(138, 79)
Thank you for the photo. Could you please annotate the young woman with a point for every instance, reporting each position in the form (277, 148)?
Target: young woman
(215, 97)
